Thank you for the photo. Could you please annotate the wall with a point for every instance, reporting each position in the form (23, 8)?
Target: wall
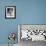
(27, 12)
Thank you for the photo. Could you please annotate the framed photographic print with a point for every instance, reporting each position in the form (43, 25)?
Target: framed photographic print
(10, 12)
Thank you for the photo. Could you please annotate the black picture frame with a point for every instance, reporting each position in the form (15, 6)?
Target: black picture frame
(10, 12)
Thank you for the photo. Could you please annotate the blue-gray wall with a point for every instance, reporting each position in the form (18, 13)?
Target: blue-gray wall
(27, 12)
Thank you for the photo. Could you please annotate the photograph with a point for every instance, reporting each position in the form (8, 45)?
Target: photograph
(10, 12)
